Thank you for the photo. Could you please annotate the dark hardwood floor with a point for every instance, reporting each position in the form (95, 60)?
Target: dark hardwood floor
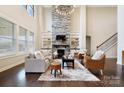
(16, 77)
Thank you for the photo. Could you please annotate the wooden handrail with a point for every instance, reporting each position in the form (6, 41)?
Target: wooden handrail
(106, 40)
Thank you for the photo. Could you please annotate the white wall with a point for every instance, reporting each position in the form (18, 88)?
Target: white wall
(75, 20)
(82, 39)
(101, 24)
(120, 33)
(47, 19)
(19, 16)
(40, 27)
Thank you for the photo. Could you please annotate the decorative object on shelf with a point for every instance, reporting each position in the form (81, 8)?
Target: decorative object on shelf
(64, 9)
(74, 42)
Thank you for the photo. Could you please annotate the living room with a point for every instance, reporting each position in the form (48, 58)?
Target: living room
(31, 47)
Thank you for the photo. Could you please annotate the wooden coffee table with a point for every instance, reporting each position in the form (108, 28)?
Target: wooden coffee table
(55, 66)
(67, 61)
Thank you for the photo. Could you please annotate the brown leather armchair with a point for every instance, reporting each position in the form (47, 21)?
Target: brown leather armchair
(95, 64)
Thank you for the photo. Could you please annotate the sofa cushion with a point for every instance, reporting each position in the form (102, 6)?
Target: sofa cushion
(65, 57)
(39, 55)
(97, 54)
(46, 52)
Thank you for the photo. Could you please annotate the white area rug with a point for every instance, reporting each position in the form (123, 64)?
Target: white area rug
(79, 73)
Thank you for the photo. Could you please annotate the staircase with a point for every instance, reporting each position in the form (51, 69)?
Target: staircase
(109, 43)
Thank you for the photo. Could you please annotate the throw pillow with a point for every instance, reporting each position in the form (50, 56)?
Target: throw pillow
(39, 55)
(64, 56)
(70, 56)
(47, 60)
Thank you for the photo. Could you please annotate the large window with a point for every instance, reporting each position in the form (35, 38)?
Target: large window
(30, 9)
(7, 36)
(8, 40)
(22, 39)
(31, 42)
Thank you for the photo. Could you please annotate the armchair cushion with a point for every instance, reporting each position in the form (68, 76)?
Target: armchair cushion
(98, 54)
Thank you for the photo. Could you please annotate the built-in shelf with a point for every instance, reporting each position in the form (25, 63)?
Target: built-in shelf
(46, 40)
(49, 40)
(74, 40)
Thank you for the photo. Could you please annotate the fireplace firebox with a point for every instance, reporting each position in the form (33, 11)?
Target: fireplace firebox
(60, 52)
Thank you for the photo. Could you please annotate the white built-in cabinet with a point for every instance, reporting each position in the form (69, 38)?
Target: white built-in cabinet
(46, 40)
(74, 40)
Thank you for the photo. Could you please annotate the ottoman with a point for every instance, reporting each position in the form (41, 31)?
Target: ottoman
(55, 66)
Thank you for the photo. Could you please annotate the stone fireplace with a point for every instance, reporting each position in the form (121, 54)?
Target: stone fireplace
(60, 32)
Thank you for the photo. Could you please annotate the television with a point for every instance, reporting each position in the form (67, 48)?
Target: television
(61, 37)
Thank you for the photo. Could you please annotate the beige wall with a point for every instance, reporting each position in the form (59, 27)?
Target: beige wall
(19, 16)
(101, 24)
(47, 19)
(75, 20)
(40, 27)
(82, 37)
